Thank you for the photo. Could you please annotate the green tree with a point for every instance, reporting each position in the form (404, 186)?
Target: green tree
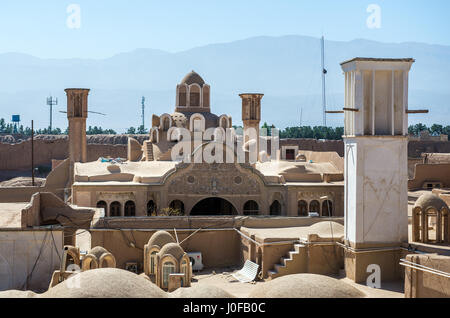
(436, 129)
(141, 130)
(131, 131)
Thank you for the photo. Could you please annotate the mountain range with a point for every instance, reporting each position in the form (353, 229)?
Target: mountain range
(286, 69)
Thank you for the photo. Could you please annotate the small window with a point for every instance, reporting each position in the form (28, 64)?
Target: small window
(151, 208)
(290, 154)
(302, 208)
(102, 205)
(177, 205)
(153, 262)
(184, 270)
(115, 209)
(130, 208)
(168, 268)
(314, 206)
(275, 208)
(327, 208)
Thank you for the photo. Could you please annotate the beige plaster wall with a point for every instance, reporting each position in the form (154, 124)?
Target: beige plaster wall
(18, 156)
(18, 253)
(429, 173)
(421, 284)
(218, 248)
(56, 182)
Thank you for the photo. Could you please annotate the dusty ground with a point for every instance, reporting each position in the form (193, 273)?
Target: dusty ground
(222, 278)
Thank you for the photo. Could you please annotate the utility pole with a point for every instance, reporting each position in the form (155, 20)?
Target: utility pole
(32, 153)
(143, 112)
(51, 102)
(324, 72)
(301, 116)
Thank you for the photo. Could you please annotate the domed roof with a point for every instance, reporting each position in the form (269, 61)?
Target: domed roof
(98, 251)
(201, 291)
(105, 283)
(173, 249)
(192, 78)
(428, 200)
(161, 238)
(305, 286)
(179, 119)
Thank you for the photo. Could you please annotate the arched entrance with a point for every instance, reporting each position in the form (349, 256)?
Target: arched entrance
(214, 206)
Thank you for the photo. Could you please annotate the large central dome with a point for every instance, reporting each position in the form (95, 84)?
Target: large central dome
(193, 78)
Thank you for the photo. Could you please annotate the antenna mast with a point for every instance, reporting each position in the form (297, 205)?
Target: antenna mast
(51, 102)
(324, 72)
(301, 116)
(143, 112)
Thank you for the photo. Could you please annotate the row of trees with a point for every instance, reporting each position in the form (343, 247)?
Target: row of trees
(140, 130)
(6, 128)
(434, 130)
(316, 132)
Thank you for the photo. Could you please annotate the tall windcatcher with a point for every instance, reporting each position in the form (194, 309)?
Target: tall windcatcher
(77, 112)
(375, 138)
(251, 117)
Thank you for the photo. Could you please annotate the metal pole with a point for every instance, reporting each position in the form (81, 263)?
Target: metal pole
(51, 111)
(324, 101)
(32, 153)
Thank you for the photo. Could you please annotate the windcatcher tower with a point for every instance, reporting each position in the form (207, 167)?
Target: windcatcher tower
(77, 112)
(375, 138)
(251, 116)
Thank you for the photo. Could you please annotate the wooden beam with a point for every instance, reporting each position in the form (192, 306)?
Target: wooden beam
(351, 109)
(334, 111)
(417, 111)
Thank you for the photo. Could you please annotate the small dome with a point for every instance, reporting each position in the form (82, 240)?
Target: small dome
(179, 119)
(105, 283)
(193, 78)
(173, 249)
(305, 286)
(428, 200)
(98, 251)
(160, 239)
(201, 291)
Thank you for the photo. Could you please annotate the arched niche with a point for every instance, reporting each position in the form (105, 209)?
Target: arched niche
(195, 95)
(302, 208)
(206, 96)
(224, 122)
(154, 135)
(166, 122)
(197, 123)
(182, 94)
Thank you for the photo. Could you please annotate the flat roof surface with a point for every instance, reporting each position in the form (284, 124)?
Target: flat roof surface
(325, 229)
(367, 59)
(11, 214)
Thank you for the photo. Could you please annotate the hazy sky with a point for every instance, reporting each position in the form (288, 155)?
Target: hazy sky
(109, 27)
